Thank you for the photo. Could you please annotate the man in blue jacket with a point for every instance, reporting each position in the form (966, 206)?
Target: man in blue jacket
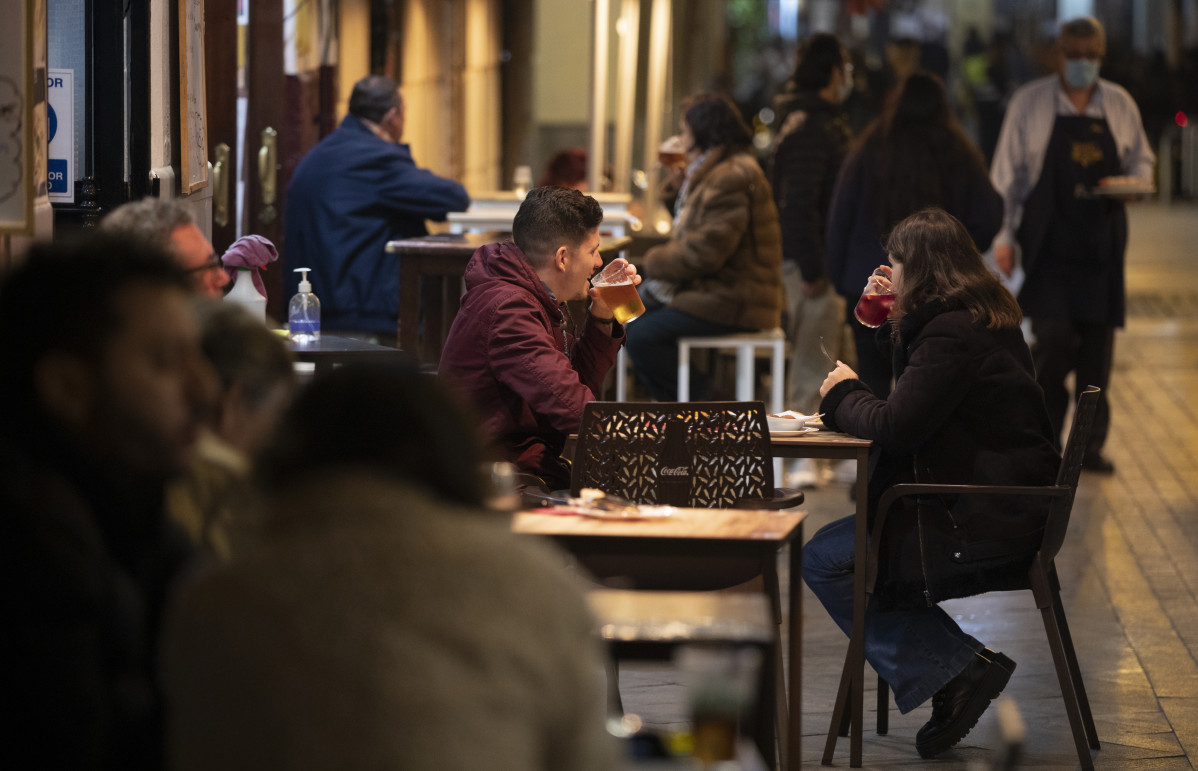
(352, 193)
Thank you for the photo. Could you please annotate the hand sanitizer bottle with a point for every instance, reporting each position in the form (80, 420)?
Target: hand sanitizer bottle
(303, 313)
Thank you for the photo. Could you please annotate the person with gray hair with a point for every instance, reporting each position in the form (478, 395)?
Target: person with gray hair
(169, 225)
(352, 193)
(1067, 140)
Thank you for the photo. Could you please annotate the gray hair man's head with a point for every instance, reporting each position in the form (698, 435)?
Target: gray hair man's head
(373, 97)
(1082, 28)
(150, 221)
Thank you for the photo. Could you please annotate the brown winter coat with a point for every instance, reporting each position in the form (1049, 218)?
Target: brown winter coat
(725, 255)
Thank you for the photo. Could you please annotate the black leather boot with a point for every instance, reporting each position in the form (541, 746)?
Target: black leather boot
(957, 706)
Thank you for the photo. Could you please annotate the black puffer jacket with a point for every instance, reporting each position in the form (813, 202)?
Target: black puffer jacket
(812, 141)
(965, 409)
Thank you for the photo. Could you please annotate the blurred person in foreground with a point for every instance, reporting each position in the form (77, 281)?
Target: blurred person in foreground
(169, 225)
(387, 620)
(508, 352)
(357, 189)
(812, 141)
(721, 271)
(213, 500)
(104, 389)
(916, 155)
(1066, 133)
(965, 409)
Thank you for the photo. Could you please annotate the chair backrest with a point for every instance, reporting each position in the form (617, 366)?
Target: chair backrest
(1070, 471)
(698, 454)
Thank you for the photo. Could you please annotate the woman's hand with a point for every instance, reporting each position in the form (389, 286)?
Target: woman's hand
(885, 283)
(1004, 258)
(676, 174)
(842, 372)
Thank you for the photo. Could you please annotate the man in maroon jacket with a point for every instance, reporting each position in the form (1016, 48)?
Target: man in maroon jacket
(508, 352)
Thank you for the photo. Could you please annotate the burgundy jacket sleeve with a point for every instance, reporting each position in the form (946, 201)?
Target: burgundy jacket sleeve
(528, 354)
(595, 352)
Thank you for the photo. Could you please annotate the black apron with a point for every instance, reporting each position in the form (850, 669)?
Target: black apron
(1073, 245)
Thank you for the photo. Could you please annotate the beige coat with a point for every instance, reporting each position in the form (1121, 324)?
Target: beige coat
(377, 628)
(725, 255)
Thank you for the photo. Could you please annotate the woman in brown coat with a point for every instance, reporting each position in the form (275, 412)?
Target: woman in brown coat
(721, 271)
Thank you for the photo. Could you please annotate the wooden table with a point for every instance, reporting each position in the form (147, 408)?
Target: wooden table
(828, 444)
(427, 307)
(716, 539)
(331, 350)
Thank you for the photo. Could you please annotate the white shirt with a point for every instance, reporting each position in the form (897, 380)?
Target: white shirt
(1027, 129)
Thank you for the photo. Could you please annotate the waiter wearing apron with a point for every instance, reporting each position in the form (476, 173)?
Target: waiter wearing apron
(1062, 136)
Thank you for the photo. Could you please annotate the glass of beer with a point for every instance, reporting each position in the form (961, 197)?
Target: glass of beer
(721, 682)
(876, 301)
(671, 152)
(617, 290)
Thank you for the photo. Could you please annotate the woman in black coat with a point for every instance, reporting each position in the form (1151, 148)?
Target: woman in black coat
(965, 409)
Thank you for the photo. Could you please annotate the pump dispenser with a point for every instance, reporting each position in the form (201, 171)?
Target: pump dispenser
(303, 313)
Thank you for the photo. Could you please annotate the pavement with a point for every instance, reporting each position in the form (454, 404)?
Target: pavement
(1129, 568)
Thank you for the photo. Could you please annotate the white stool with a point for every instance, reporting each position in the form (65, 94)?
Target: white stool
(746, 346)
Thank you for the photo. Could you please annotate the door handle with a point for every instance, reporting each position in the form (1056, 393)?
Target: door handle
(267, 173)
(220, 183)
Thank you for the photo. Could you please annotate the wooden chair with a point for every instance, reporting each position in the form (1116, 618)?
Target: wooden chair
(696, 454)
(1041, 579)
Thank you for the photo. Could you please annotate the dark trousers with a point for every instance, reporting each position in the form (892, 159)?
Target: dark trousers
(1063, 346)
(652, 344)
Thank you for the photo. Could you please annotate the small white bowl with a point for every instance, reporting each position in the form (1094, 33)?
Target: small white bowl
(787, 421)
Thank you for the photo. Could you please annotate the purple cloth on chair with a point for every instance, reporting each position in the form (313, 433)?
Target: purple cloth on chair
(250, 252)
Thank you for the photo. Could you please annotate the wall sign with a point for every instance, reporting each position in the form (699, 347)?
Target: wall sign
(60, 166)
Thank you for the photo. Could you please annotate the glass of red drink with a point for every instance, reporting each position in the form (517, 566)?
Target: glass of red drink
(876, 301)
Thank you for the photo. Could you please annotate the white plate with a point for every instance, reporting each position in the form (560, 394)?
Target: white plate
(628, 515)
(803, 430)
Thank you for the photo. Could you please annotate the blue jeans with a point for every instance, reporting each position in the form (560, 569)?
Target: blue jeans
(652, 344)
(915, 651)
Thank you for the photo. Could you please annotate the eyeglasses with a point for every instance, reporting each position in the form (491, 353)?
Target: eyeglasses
(213, 263)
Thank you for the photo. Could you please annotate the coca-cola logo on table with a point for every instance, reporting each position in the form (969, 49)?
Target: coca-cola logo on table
(675, 471)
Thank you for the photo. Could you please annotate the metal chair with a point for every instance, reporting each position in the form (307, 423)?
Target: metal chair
(693, 454)
(696, 454)
(1041, 579)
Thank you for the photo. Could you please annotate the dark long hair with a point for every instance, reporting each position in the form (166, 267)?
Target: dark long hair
(715, 121)
(914, 149)
(941, 264)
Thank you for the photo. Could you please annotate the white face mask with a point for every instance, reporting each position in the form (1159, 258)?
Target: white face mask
(1081, 73)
